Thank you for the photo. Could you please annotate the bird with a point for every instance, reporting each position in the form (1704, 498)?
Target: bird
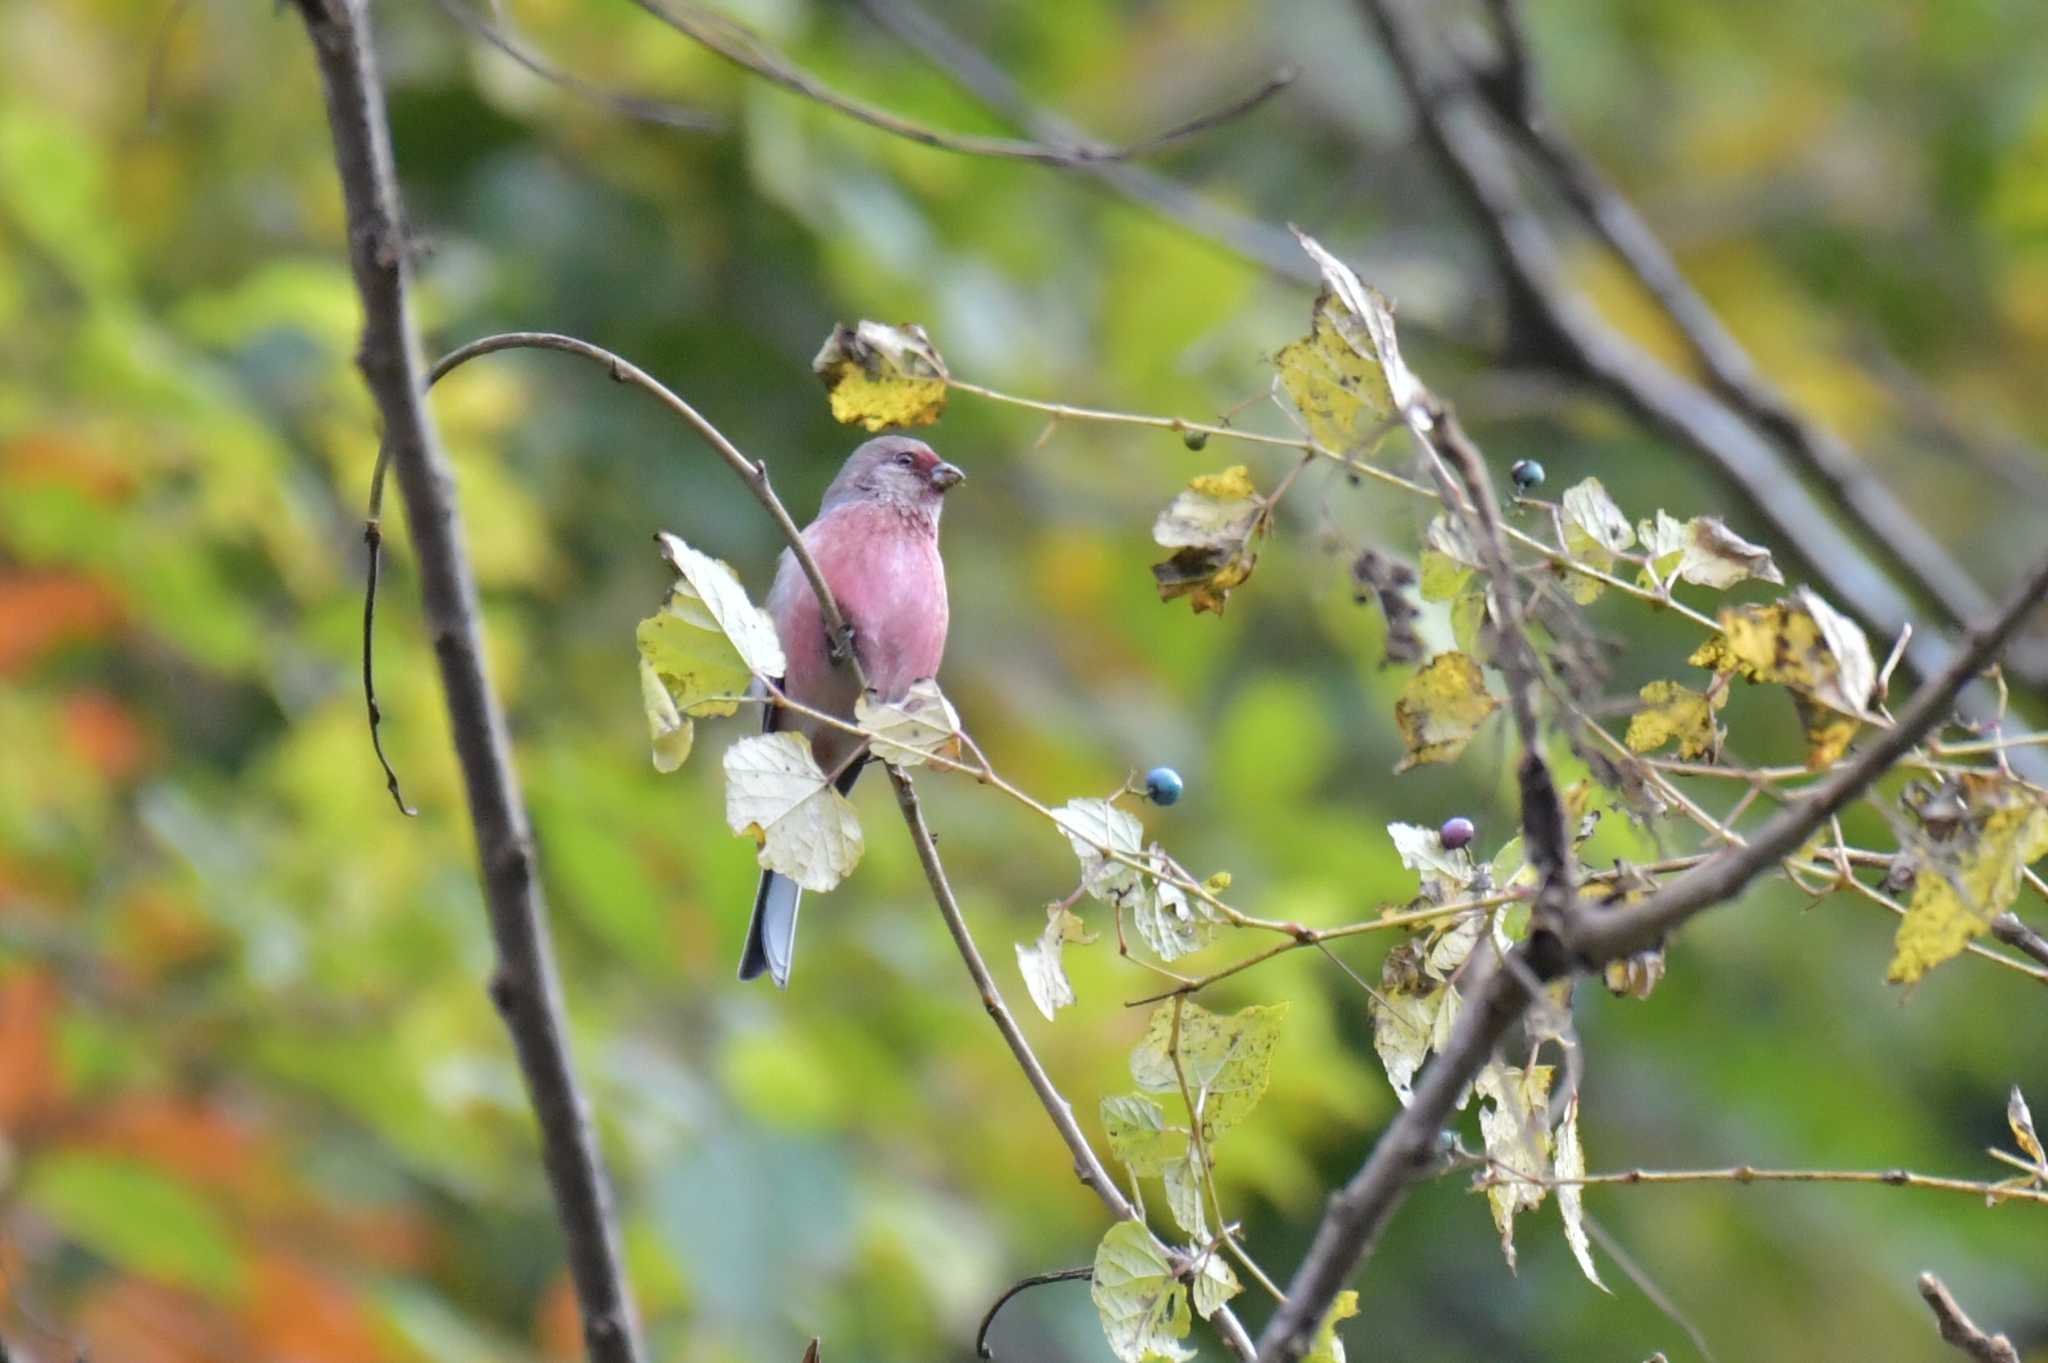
(876, 543)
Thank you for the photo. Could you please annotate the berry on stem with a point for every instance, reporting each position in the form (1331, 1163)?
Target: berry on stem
(1456, 832)
(1162, 785)
(1527, 474)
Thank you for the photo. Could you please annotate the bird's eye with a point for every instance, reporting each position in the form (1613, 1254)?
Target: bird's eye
(906, 459)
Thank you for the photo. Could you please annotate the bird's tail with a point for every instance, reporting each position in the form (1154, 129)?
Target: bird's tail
(771, 935)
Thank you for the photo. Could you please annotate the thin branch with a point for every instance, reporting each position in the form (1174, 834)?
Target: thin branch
(1743, 1173)
(1499, 996)
(1265, 244)
(1900, 538)
(1087, 1167)
(524, 985)
(637, 107)
(1065, 1275)
(1958, 1329)
(1453, 116)
(749, 51)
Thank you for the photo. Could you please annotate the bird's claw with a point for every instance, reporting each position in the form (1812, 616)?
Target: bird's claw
(839, 647)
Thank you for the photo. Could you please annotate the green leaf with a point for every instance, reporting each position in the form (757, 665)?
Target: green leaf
(775, 794)
(1144, 1308)
(1587, 506)
(1139, 1135)
(1166, 919)
(1183, 1178)
(1093, 825)
(1227, 1060)
(137, 1217)
(1215, 1284)
(879, 375)
(699, 651)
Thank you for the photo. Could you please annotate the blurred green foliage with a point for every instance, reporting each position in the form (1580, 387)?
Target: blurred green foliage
(253, 1099)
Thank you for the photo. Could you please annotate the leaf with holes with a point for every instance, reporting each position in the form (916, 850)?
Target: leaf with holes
(1676, 713)
(879, 375)
(776, 795)
(1227, 1060)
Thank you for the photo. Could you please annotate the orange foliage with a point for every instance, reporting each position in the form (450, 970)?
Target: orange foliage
(29, 1083)
(558, 1322)
(297, 1313)
(40, 612)
(137, 1321)
(103, 732)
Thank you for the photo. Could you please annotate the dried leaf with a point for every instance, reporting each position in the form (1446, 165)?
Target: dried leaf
(1422, 849)
(775, 794)
(1802, 643)
(909, 731)
(1210, 526)
(2022, 1123)
(1440, 709)
(1514, 1123)
(1703, 551)
(1972, 876)
(1389, 582)
(1411, 1017)
(879, 375)
(1143, 1306)
(1041, 963)
(1569, 1164)
(1676, 712)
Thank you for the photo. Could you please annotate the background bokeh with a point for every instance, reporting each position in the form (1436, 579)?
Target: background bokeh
(253, 1100)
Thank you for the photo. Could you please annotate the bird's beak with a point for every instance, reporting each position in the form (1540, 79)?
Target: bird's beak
(945, 477)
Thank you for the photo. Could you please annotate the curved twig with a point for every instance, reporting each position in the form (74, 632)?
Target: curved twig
(1958, 1329)
(637, 107)
(1065, 1275)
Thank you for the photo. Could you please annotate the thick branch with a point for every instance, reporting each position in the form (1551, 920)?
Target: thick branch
(1899, 537)
(1453, 119)
(524, 985)
(1958, 1329)
(1087, 1167)
(1358, 1212)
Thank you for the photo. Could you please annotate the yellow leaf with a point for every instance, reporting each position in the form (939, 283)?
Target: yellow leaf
(1328, 1348)
(1972, 875)
(879, 375)
(2022, 1123)
(1828, 732)
(1672, 712)
(700, 650)
(1440, 709)
(1346, 377)
(1802, 643)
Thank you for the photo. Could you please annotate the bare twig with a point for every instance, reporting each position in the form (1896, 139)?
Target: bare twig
(1087, 1167)
(637, 107)
(524, 985)
(747, 50)
(1958, 1329)
(1263, 243)
(1742, 1173)
(1065, 1275)
(1499, 996)
(2009, 929)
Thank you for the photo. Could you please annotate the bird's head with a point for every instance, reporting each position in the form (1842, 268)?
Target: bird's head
(898, 470)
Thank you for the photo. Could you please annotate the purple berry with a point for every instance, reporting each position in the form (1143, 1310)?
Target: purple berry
(1456, 832)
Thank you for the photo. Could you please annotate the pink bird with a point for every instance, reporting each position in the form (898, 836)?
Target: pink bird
(876, 540)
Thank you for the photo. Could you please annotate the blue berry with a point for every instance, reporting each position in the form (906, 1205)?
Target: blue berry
(1162, 785)
(1456, 832)
(1527, 474)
